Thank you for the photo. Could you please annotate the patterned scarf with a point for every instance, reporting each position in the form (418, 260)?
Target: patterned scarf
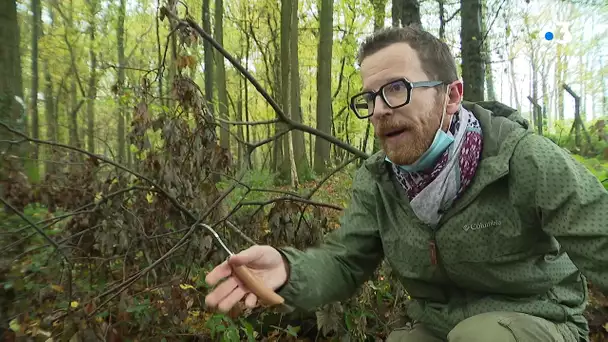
(470, 152)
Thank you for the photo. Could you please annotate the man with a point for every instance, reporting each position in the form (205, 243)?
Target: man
(492, 229)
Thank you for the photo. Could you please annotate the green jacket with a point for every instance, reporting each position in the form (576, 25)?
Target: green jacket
(515, 241)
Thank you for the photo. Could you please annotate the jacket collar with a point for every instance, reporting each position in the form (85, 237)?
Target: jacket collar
(502, 129)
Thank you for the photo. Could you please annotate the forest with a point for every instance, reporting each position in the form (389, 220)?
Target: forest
(124, 124)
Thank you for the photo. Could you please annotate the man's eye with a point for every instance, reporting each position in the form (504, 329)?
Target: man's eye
(368, 97)
(396, 87)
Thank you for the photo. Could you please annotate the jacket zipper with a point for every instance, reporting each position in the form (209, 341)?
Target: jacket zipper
(433, 250)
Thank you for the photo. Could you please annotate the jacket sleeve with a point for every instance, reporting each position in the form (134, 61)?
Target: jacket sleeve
(571, 202)
(350, 254)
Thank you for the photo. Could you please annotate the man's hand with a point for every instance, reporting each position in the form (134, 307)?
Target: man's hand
(265, 262)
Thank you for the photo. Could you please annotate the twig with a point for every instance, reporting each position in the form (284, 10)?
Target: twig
(240, 232)
(245, 123)
(294, 199)
(321, 182)
(329, 175)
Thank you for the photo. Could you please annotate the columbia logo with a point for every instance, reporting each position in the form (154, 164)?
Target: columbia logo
(479, 226)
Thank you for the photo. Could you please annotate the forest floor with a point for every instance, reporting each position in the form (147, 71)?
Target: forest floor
(173, 309)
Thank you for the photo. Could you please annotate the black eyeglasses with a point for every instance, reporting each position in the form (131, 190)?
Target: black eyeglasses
(395, 94)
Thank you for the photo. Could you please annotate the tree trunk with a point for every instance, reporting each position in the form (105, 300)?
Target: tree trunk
(470, 39)
(379, 10)
(208, 57)
(50, 115)
(92, 79)
(11, 86)
(544, 75)
(222, 96)
(34, 102)
(603, 87)
(379, 13)
(285, 163)
(120, 33)
(324, 109)
(74, 139)
(560, 67)
(410, 13)
(159, 51)
(396, 13)
(239, 129)
(487, 53)
(299, 144)
(442, 19)
(49, 108)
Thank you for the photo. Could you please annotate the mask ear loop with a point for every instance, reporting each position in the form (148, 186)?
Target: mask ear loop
(445, 108)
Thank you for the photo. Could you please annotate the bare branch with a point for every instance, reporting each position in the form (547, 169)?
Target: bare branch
(290, 123)
(294, 199)
(240, 232)
(245, 123)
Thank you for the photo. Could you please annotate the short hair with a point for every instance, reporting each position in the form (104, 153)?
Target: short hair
(435, 56)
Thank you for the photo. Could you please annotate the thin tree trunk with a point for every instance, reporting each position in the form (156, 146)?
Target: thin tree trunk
(50, 115)
(34, 102)
(11, 86)
(208, 57)
(396, 13)
(92, 79)
(410, 13)
(73, 119)
(159, 57)
(120, 32)
(487, 54)
(299, 145)
(221, 75)
(470, 39)
(442, 19)
(560, 67)
(324, 109)
(379, 13)
(285, 141)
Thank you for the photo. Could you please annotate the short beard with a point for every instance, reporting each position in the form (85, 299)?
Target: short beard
(420, 138)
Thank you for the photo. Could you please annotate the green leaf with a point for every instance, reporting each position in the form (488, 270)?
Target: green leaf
(14, 325)
(293, 331)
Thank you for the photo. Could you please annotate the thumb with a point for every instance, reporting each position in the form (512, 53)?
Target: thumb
(247, 256)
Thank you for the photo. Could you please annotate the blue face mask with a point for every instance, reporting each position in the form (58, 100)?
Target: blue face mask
(440, 143)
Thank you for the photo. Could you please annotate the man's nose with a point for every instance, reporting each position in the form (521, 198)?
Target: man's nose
(381, 109)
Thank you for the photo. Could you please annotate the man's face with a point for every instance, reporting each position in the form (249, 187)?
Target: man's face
(408, 131)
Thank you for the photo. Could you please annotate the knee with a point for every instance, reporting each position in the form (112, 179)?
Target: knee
(482, 327)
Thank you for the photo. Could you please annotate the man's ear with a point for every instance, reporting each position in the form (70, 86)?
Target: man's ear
(454, 97)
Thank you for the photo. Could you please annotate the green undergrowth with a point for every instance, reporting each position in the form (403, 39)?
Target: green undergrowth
(174, 310)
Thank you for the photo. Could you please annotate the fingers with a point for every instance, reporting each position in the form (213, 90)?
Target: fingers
(251, 301)
(218, 273)
(245, 257)
(221, 292)
(229, 301)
